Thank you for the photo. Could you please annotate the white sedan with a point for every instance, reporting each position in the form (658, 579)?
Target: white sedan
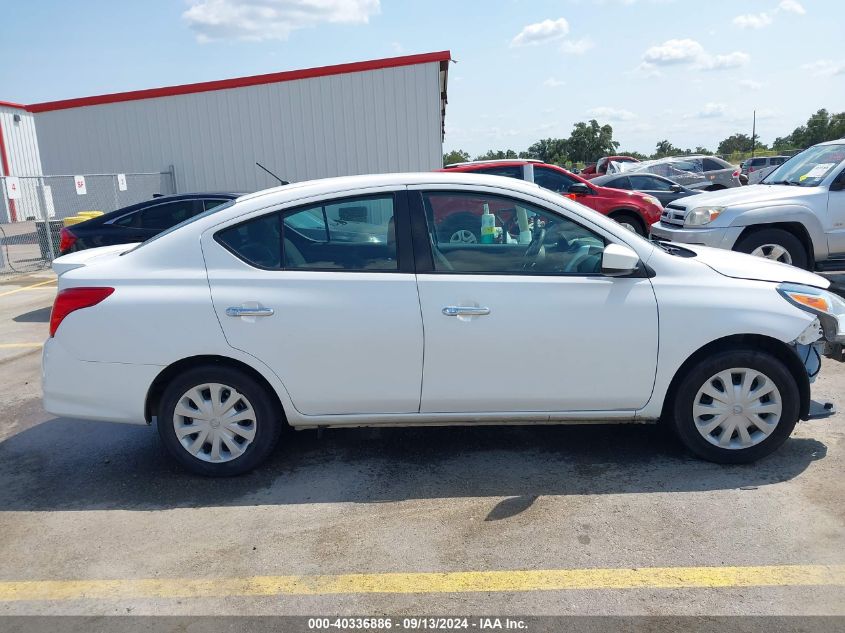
(335, 303)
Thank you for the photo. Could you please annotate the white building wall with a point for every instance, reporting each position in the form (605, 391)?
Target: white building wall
(22, 151)
(375, 121)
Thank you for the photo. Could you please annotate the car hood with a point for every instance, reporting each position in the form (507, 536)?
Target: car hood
(82, 258)
(742, 266)
(750, 196)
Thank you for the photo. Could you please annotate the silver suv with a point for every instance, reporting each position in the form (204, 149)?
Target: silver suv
(759, 167)
(796, 215)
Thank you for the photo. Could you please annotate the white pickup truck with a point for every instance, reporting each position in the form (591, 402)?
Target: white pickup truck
(796, 215)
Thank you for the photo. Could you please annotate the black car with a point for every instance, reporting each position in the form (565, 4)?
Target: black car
(660, 187)
(138, 222)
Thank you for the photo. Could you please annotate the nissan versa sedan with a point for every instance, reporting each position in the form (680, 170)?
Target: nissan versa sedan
(243, 323)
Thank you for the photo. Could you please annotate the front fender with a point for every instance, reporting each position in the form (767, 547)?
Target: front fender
(791, 213)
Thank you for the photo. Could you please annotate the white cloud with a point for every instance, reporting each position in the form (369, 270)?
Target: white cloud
(577, 47)
(673, 52)
(551, 82)
(720, 62)
(750, 84)
(271, 19)
(792, 6)
(689, 51)
(753, 20)
(825, 67)
(612, 114)
(541, 32)
(710, 111)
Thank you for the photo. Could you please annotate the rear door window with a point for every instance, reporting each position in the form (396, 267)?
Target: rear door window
(510, 171)
(552, 179)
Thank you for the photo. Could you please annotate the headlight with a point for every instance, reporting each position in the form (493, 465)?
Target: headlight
(653, 200)
(830, 308)
(702, 215)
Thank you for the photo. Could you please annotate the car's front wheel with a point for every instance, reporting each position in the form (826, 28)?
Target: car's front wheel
(736, 406)
(218, 421)
(775, 244)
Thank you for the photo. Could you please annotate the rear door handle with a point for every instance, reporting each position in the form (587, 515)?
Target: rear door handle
(249, 312)
(465, 311)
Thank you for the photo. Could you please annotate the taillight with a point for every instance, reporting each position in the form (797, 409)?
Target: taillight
(66, 239)
(736, 174)
(71, 299)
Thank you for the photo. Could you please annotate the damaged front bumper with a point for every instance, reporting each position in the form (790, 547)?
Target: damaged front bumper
(813, 343)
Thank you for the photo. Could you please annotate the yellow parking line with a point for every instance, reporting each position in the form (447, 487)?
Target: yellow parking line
(42, 283)
(429, 582)
(20, 345)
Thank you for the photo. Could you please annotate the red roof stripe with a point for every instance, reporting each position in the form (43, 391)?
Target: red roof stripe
(9, 104)
(240, 82)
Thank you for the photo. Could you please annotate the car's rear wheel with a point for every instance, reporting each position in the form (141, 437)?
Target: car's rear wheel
(461, 229)
(630, 222)
(775, 244)
(736, 407)
(218, 421)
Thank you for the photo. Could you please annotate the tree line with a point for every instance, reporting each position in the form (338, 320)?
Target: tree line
(590, 140)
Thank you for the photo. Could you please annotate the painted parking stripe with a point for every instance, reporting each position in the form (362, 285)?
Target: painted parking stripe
(20, 345)
(429, 582)
(32, 287)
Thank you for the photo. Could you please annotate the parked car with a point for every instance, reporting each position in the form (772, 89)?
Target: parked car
(138, 222)
(705, 173)
(232, 339)
(759, 167)
(661, 188)
(795, 216)
(635, 211)
(599, 168)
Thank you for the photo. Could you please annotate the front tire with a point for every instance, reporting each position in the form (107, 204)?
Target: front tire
(630, 222)
(777, 245)
(736, 407)
(218, 421)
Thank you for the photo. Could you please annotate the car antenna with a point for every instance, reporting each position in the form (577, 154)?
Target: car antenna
(281, 182)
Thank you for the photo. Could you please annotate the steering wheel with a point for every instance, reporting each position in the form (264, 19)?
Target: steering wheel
(535, 248)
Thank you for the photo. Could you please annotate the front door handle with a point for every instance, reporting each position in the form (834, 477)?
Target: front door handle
(249, 312)
(465, 311)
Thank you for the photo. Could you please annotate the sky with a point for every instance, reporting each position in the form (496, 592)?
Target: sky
(688, 71)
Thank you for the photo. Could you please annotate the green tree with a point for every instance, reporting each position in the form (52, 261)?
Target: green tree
(737, 143)
(665, 148)
(549, 150)
(590, 141)
(455, 156)
(821, 126)
(497, 155)
(703, 150)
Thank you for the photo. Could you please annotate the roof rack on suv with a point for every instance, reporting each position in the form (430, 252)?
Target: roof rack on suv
(497, 160)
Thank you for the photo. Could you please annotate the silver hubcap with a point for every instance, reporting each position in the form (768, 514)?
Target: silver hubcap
(464, 237)
(773, 251)
(214, 422)
(737, 408)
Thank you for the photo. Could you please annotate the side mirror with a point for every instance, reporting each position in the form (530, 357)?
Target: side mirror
(619, 260)
(676, 188)
(578, 189)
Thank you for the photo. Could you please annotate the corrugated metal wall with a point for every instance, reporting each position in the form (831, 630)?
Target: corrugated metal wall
(365, 122)
(24, 160)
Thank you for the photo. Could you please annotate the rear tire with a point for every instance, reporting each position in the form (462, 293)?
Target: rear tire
(775, 244)
(764, 432)
(235, 428)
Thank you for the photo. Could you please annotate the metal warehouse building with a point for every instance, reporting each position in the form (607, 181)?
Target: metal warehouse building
(375, 116)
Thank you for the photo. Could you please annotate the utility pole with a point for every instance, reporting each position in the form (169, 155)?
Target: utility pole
(754, 134)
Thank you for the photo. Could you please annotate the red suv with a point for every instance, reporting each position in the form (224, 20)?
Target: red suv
(634, 210)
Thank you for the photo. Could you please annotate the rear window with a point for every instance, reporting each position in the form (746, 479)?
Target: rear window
(198, 216)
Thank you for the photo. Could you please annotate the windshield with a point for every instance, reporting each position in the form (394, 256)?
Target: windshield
(198, 216)
(808, 168)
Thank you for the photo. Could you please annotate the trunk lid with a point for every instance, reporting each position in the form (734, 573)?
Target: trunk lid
(83, 258)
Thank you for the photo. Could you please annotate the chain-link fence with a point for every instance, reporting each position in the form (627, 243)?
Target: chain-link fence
(33, 210)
